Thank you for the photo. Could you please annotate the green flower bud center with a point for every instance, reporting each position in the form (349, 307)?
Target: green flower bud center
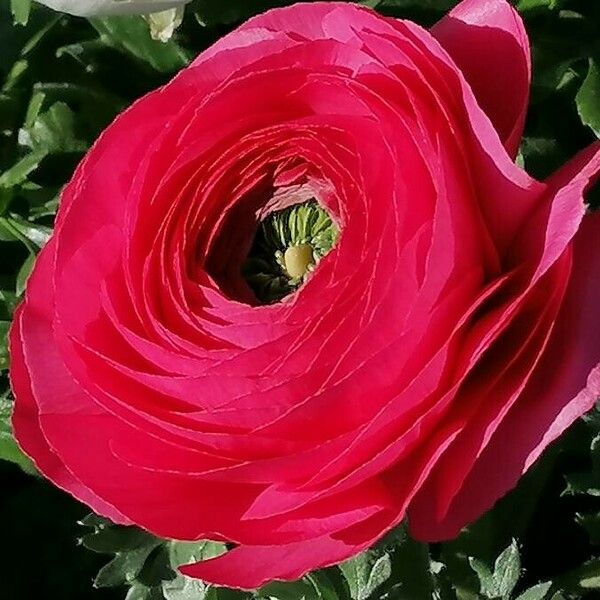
(287, 247)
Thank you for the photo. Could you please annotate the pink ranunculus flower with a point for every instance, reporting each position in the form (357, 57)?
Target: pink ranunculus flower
(448, 337)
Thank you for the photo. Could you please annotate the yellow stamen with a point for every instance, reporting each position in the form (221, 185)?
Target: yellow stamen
(298, 259)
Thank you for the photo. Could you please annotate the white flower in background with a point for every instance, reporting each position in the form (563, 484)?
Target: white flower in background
(89, 8)
(164, 23)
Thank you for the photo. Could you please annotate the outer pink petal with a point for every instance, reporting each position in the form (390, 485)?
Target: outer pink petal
(565, 385)
(29, 433)
(249, 567)
(487, 40)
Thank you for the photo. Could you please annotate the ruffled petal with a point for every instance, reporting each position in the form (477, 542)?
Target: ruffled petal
(26, 422)
(564, 385)
(487, 40)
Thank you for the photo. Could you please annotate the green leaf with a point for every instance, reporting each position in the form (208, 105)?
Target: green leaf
(138, 592)
(185, 588)
(33, 235)
(315, 586)
(500, 582)
(95, 522)
(13, 77)
(157, 568)
(183, 553)
(525, 5)
(135, 552)
(19, 172)
(123, 568)
(109, 539)
(131, 34)
(485, 575)
(8, 303)
(537, 592)
(290, 591)
(20, 10)
(365, 573)
(588, 99)
(9, 450)
(586, 577)
(52, 131)
(23, 274)
(144, 562)
(507, 570)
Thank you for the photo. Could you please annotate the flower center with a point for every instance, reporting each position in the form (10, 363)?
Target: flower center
(287, 247)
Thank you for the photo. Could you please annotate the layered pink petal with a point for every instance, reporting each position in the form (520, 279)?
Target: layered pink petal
(564, 382)
(488, 41)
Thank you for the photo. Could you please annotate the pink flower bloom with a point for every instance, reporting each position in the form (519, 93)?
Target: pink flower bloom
(445, 341)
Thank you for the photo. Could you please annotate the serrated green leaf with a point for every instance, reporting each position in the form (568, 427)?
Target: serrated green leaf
(500, 582)
(118, 539)
(380, 573)
(185, 588)
(95, 521)
(485, 576)
(144, 562)
(588, 98)
(123, 568)
(157, 568)
(138, 592)
(183, 553)
(507, 570)
(537, 592)
(131, 34)
(365, 573)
